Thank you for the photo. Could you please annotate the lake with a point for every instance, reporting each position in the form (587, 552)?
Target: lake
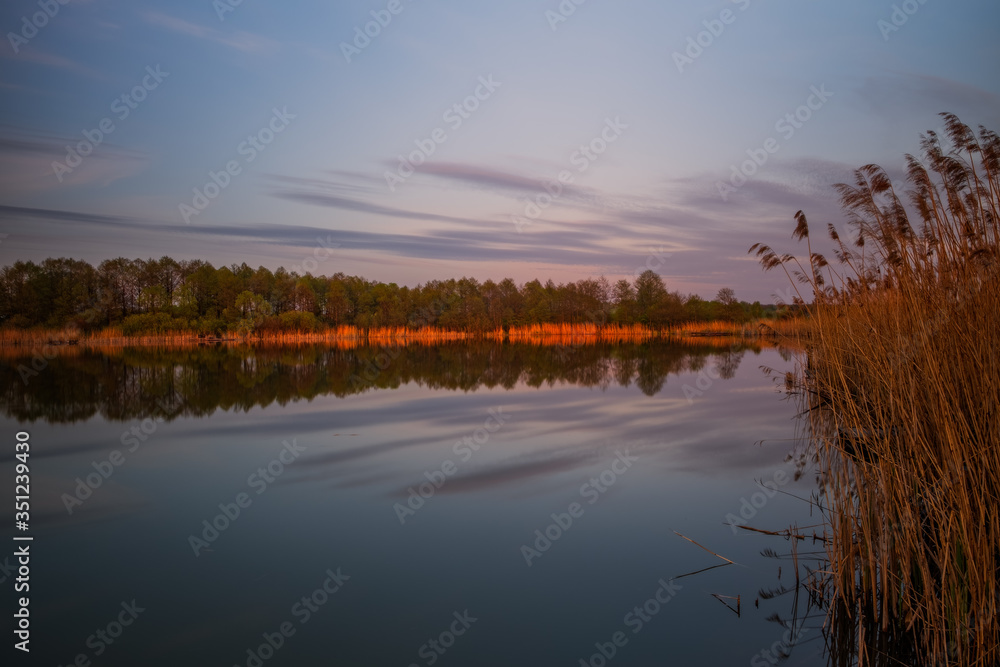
(468, 503)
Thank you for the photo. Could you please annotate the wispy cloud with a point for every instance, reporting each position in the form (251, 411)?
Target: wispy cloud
(239, 40)
(334, 201)
(37, 56)
(20, 213)
(26, 160)
(486, 177)
(613, 223)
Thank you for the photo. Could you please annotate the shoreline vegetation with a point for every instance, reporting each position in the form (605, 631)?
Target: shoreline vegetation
(900, 386)
(542, 334)
(139, 300)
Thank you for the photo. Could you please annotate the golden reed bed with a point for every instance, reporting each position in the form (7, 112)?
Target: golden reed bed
(901, 388)
(18, 343)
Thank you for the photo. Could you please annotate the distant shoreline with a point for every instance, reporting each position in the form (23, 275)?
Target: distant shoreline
(553, 334)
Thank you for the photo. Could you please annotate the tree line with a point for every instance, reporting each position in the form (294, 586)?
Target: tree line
(165, 295)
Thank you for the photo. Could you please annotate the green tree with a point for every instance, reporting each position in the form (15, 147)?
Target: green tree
(731, 309)
(253, 309)
(537, 303)
(624, 302)
(650, 293)
(153, 299)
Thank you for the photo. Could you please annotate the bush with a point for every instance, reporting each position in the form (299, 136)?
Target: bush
(151, 323)
(210, 326)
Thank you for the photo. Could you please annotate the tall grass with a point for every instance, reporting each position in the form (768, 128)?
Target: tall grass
(791, 328)
(337, 334)
(586, 331)
(902, 385)
(115, 336)
(554, 333)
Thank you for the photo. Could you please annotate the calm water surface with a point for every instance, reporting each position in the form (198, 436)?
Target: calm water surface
(410, 483)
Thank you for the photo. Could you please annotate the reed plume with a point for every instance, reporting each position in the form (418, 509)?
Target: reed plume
(902, 385)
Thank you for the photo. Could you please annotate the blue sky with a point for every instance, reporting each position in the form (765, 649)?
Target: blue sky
(594, 92)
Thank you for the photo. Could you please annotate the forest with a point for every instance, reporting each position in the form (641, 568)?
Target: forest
(163, 296)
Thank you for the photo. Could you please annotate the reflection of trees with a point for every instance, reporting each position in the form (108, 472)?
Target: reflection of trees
(624, 370)
(727, 362)
(137, 382)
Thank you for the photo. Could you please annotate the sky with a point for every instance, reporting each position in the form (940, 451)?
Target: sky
(412, 140)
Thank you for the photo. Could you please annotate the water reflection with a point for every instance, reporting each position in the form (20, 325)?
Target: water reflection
(135, 382)
(572, 412)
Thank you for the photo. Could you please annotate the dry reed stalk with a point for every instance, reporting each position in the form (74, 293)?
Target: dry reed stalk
(903, 383)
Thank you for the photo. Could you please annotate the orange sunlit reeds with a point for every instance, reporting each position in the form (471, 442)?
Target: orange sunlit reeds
(584, 331)
(115, 336)
(542, 334)
(790, 328)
